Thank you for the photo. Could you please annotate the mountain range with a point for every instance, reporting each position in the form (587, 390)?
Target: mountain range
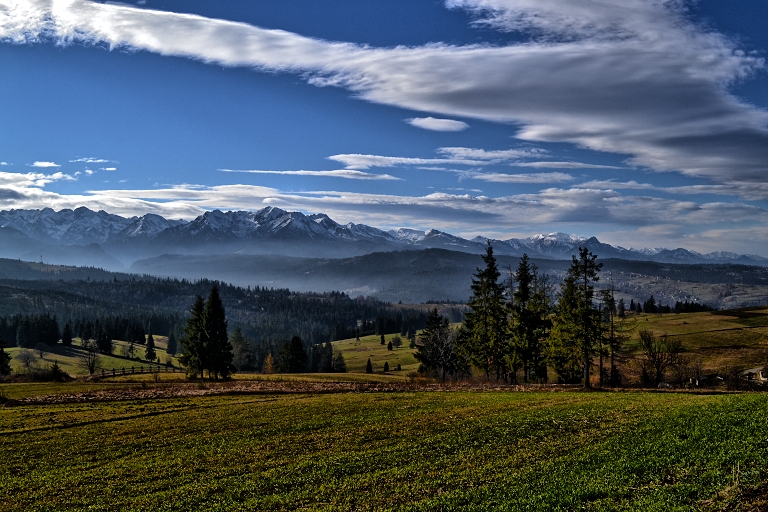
(101, 239)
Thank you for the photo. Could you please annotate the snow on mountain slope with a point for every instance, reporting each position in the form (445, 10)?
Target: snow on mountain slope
(81, 226)
(279, 229)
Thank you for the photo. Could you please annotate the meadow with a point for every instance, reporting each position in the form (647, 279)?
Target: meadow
(429, 450)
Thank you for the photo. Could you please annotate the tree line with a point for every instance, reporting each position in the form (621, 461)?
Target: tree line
(521, 328)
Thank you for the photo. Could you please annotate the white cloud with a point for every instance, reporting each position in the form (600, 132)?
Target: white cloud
(564, 165)
(453, 155)
(438, 125)
(108, 168)
(45, 165)
(349, 174)
(92, 161)
(89, 172)
(631, 77)
(4, 163)
(544, 177)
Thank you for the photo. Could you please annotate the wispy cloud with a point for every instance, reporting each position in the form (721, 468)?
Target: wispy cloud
(451, 155)
(4, 163)
(564, 165)
(349, 174)
(93, 160)
(438, 125)
(544, 177)
(45, 165)
(107, 168)
(623, 76)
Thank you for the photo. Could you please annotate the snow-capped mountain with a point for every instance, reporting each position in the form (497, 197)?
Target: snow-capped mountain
(275, 231)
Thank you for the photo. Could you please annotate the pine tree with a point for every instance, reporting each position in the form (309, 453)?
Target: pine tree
(5, 360)
(66, 335)
(195, 341)
(529, 311)
(584, 273)
(369, 366)
(339, 365)
(386, 366)
(382, 340)
(241, 350)
(389, 346)
(149, 352)
(437, 349)
(215, 325)
(173, 344)
(485, 325)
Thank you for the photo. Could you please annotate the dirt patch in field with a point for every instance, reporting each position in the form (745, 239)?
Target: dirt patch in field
(175, 390)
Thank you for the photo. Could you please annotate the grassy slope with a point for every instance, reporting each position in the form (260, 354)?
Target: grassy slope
(356, 354)
(67, 357)
(721, 340)
(377, 451)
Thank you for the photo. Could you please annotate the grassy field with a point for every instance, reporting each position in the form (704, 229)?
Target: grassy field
(67, 357)
(389, 451)
(356, 354)
(720, 341)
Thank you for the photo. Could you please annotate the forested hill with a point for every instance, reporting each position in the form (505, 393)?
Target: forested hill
(264, 315)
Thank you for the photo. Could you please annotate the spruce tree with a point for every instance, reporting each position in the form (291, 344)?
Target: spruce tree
(173, 344)
(215, 325)
(5, 360)
(486, 323)
(195, 341)
(149, 352)
(339, 365)
(386, 366)
(584, 273)
(530, 323)
(66, 335)
(383, 341)
(369, 366)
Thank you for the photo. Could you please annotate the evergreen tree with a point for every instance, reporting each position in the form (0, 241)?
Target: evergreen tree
(386, 366)
(382, 340)
(339, 365)
(215, 325)
(530, 323)
(173, 344)
(563, 347)
(369, 366)
(291, 357)
(583, 272)
(195, 341)
(5, 360)
(103, 342)
(325, 364)
(389, 346)
(486, 323)
(66, 335)
(149, 352)
(437, 349)
(241, 350)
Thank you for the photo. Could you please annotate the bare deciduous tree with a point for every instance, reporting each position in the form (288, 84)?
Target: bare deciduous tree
(28, 359)
(89, 359)
(661, 353)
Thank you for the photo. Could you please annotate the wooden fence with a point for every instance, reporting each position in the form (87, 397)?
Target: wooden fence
(134, 370)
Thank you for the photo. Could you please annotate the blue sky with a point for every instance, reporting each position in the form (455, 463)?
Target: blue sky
(642, 122)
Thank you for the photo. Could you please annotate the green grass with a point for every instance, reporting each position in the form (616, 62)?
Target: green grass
(67, 357)
(387, 451)
(356, 354)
